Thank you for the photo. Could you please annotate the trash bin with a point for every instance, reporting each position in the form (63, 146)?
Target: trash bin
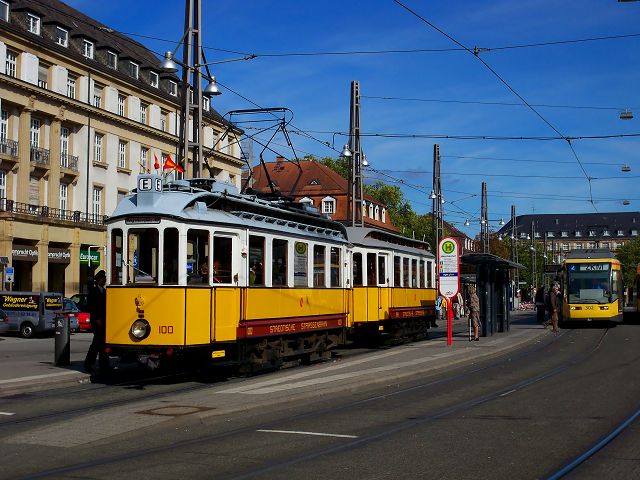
(62, 341)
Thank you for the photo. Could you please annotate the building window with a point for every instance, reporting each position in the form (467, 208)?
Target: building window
(121, 105)
(143, 113)
(144, 160)
(97, 201)
(371, 210)
(133, 70)
(592, 233)
(163, 124)
(173, 88)
(549, 234)
(10, 65)
(564, 234)
(112, 59)
(34, 133)
(71, 86)
(97, 148)
(87, 48)
(306, 200)
(606, 233)
(605, 244)
(205, 103)
(62, 37)
(376, 213)
(63, 196)
(384, 215)
(3, 184)
(43, 75)
(578, 233)
(565, 247)
(64, 147)
(33, 23)
(122, 154)
(328, 205)
(4, 126)
(4, 11)
(97, 96)
(634, 233)
(620, 233)
(154, 80)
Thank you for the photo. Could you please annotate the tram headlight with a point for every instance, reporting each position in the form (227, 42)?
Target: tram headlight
(140, 329)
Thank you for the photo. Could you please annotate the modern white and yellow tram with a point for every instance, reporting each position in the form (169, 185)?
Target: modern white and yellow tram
(198, 270)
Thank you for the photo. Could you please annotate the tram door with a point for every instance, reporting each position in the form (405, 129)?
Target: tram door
(384, 292)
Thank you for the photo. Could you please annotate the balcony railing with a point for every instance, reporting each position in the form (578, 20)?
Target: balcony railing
(40, 155)
(69, 161)
(41, 211)
(9, 147)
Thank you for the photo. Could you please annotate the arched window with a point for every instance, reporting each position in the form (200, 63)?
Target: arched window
(384, 215)
(371, 210)
(377, 213)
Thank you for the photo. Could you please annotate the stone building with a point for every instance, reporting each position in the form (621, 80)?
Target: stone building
(84, 109)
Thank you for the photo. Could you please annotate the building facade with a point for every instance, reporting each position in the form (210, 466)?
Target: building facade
(560, 234)
(83, 110)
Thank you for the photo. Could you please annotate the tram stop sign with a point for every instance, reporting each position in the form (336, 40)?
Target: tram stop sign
(448, 267)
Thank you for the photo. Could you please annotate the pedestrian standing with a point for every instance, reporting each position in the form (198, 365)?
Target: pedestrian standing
(98, 309)
(438, 312)
(554, 301)
(474, 313)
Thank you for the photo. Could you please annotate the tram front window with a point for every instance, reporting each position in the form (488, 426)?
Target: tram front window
(589, 282)
(142, 256)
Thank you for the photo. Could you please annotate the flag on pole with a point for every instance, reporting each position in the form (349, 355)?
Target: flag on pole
(156, 163)
(171, 165)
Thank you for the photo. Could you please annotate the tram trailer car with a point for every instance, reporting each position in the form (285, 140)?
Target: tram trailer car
(592, 286)
(198, 271)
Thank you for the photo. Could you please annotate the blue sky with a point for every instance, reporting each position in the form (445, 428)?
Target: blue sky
(541, 176)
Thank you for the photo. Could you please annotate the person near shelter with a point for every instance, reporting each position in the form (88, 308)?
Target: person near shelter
(438, 312)
(98, 312)
(554, 308)
(474, 313)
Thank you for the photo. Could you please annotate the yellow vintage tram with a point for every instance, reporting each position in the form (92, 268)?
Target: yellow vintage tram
(592, 286)
(198, 270)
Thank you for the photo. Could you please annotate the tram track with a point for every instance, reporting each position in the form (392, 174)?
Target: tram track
(351, 444)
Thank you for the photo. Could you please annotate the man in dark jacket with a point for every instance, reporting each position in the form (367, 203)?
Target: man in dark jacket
(98, 309)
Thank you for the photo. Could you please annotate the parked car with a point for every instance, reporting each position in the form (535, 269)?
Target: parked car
(82, 301)
(71, 310)
(83, 320)
(4, 322)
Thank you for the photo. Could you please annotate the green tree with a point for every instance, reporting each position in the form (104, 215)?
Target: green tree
(629, 256)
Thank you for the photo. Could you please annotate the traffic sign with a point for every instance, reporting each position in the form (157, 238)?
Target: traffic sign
(8, 270)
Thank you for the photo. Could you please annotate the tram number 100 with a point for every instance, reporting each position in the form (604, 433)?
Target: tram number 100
(165, 329)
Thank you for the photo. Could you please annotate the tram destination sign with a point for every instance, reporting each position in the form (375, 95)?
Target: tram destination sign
(448, 267)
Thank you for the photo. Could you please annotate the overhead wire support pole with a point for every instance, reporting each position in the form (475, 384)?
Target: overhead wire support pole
(355, 181)
(484, 220)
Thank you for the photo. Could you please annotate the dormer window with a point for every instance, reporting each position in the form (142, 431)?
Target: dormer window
(154, 80)
(564, 234)
(62, 37)
(384, 215)
(133, 69)
(578, 233)
(592, 233)
(87, 48)
(371, 210)
(112, 59)
(606, 233)
(549, 234)
(620, 233)
(376, 213)
(328, 205)
(33, 23)
(173, 88)
(4, 10)
(634, 233)
(315, 181)
(306, 200)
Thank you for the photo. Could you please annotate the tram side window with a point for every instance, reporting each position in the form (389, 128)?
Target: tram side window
(170, 257)
(421, 276)
(396, 272)
(382, 274)
(336, 261)
(371, 270)
(357, 270)
(301, 265)
(116, 257)
(279, 264)
(222, 256)
(414, 273)
(405, 272)
(256, 261)
(198, 257)
(319, 263)
(142, 256)
(429, 274)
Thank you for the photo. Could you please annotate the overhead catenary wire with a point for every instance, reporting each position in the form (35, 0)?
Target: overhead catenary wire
(475, 53)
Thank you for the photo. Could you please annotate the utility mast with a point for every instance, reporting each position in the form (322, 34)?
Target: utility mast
(437, 217)
(355, 195)
(484, 220)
